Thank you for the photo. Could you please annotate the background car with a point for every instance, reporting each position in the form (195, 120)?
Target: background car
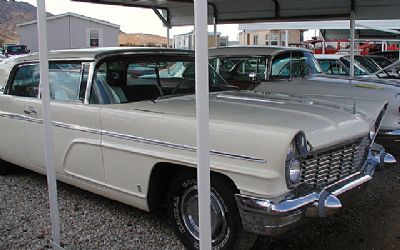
(295, 72)
(392, 55)
(364, 66)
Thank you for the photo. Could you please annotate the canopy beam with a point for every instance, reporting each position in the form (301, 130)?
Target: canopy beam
(277, 8)
(162, 18)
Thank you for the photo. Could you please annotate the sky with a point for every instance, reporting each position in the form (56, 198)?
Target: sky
(131, 20)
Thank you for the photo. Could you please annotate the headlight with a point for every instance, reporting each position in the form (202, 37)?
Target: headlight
(294, 171)
(290, 152)
(297, 150)
(301, 144)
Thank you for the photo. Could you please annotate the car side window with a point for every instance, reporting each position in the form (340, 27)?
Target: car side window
(281, 65)
(332, 67)
(26, 81)
(64, 81)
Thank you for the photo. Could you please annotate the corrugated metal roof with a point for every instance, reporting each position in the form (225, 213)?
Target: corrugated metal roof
(240, 11)
(336, 25)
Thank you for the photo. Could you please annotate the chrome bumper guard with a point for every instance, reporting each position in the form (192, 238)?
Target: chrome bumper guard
(264, 216)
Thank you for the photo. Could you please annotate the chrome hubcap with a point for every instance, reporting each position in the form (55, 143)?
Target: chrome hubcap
(190, 214)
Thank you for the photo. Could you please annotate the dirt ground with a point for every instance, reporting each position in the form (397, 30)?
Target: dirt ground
(90, 221)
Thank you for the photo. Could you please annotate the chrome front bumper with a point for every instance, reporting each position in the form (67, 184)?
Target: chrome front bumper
(268, 217)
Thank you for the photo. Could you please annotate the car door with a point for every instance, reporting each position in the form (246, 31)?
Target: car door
(12, 121)
(76, 126)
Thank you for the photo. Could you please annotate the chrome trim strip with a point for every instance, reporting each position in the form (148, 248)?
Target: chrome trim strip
(130, 137)
(250, 99)
(180, 146)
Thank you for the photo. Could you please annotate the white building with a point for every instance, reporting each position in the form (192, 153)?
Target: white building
(71, 31)
(186, 41)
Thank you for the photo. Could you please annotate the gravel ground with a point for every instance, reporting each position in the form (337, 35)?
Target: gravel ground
(90, 221)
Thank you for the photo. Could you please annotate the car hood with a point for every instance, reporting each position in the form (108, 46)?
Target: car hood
(324, 124)
(366, 96)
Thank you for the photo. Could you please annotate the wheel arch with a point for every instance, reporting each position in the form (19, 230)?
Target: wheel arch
(162, 174)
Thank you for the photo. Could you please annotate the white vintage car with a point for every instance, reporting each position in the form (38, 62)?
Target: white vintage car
(124, 128)
(295, 71)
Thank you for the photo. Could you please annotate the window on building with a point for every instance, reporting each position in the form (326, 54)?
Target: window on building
(255, 39)
(283, 39)
(94, 38)
(248, 39)
(266, 39)
(274, 39)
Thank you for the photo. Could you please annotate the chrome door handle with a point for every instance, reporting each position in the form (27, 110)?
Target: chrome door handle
(30, 111)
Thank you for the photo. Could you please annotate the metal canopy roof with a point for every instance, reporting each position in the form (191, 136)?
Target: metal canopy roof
(180, 12)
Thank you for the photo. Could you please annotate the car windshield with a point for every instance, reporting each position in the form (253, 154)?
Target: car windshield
(369, 65)
(131, 79)
(358, 69)
(381, 61)
(294, 64)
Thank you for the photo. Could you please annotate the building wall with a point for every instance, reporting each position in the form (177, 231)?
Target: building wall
(268, 37)
(80, 33)
(68, 32)
(186, 41)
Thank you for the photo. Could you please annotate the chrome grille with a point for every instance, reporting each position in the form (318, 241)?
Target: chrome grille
(324, 168)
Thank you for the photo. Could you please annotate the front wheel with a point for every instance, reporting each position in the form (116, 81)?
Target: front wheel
(226, 228)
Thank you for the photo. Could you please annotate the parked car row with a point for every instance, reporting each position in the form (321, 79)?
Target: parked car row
(294, 146)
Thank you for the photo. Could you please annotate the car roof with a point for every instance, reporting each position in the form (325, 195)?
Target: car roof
(91, 54)
(329, 56)
(251, 50)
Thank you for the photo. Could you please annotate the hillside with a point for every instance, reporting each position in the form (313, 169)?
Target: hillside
(138, 39)
(11, 14)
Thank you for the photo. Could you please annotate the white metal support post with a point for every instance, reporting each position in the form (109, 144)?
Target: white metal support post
(215, 32)
(48, 131)
(202, 118)
(168, 42)
(352, 36)
(287, 38)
